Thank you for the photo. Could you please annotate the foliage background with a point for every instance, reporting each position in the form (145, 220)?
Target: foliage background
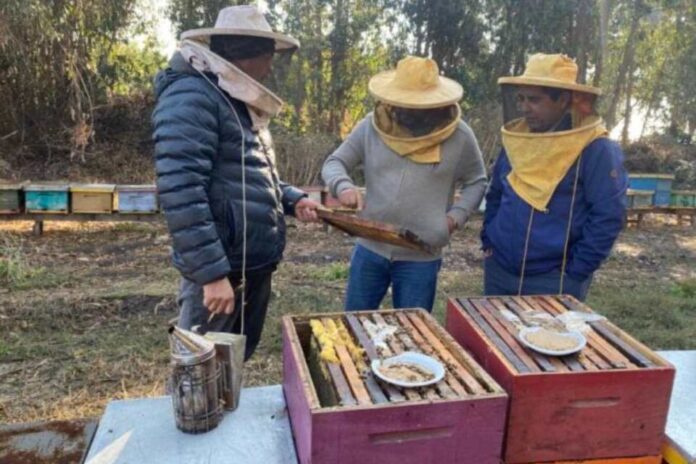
(76, 75)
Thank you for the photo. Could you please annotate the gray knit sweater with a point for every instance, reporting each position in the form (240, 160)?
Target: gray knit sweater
(418, 197)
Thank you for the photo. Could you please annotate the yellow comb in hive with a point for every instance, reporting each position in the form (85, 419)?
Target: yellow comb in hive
(329, 335)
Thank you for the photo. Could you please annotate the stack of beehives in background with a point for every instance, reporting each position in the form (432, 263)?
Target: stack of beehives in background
(64, 198)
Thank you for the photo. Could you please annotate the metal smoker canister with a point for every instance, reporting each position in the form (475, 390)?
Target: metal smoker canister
(194, 389)
(230, 356)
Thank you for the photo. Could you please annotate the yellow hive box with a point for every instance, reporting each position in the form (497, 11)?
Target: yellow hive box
(92, 198)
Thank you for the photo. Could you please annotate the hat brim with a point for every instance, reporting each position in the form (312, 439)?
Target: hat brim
(447, 92)
(282, 41)
(545, 82)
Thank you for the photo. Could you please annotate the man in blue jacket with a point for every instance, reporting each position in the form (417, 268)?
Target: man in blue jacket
(555, 204)
(216, 177)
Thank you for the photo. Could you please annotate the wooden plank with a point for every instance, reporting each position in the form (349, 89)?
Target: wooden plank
(362, 337)
(493, 337)
(540, 359)
(604, 351)
(408, 344)
(487, 311)
(621, 345)
(609, 346)
(411, 393)
(373, 230)
(520, 307)
(460, 370)
(340, 382)
(587, 362)
(352, 375)
(425, 347)
(636, 460)
(323, 383)
(44, 216)
(571, 361)
(450, 379)
(371, 352)
(637, 345)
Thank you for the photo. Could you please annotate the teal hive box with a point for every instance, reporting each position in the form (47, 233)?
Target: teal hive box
(683, 198)
(47, 197)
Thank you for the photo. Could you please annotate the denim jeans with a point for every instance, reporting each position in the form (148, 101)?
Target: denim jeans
(413, 282)
(498, 281)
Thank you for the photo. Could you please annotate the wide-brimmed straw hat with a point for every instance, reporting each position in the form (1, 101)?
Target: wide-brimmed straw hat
(558, 71)
(415, 83)
(246, 20)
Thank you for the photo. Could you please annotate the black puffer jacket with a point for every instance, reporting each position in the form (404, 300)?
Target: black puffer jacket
(199, 178)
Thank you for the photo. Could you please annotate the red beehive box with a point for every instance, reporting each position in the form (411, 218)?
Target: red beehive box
(609, 401)
(340, 416)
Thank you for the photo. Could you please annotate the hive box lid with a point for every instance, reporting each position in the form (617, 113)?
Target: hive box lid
(92, 188)
(47, 187)
(651, 176)
(11, 185)
(639, 192)
(136, 188)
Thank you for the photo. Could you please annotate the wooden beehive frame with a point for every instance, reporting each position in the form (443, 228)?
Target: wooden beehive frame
(608, 348)
(418, 331)
(373, 230)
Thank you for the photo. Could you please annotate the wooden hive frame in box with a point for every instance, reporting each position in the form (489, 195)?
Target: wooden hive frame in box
(609, 401)
(340, 415)
(373, 230)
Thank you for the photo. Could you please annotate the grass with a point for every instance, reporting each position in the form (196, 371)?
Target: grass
(16, 272)
(98, 333)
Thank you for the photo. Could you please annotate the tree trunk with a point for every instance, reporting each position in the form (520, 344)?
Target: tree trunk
(584, 31)
(628, 108)
(601, 51)
(626, 64)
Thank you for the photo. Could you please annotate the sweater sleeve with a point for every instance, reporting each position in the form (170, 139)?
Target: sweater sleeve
(347, 156)
(471, 176)
(605, 182)
(186, 142)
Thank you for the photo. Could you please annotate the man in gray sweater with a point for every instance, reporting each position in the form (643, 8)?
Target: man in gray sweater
(415, 152)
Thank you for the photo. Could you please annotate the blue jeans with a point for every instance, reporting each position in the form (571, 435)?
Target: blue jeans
(413, 282)
(498, 281)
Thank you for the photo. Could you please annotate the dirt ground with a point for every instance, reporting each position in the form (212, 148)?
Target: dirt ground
(84, 308)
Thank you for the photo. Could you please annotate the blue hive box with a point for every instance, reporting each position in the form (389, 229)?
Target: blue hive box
(661, 184)
(136, 199)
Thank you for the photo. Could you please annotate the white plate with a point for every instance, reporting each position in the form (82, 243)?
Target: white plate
(426, 362)
(579, 337)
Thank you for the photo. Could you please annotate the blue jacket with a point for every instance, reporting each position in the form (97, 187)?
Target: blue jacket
(198, 157)
(598, 216)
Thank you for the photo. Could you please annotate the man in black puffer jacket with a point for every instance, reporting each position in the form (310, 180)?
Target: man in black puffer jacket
(211, 140)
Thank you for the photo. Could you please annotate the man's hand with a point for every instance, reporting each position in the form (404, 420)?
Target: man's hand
(451, 224)
(351, 198)
(306, 210)
(218, 296)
